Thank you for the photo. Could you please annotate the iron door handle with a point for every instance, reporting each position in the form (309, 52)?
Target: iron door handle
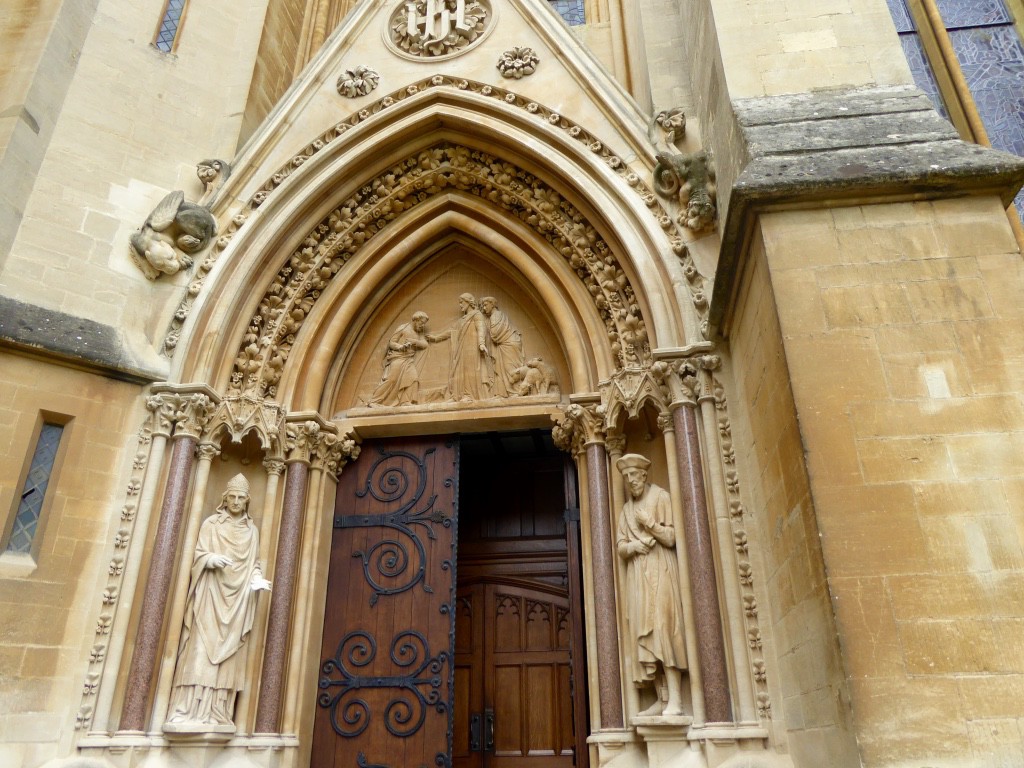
(488, 730)
(474, 732)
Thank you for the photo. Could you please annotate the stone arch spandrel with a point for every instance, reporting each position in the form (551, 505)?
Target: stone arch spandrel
(632, 234)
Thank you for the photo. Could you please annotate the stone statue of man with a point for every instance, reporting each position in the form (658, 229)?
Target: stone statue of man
(226, 579)
(646, 540)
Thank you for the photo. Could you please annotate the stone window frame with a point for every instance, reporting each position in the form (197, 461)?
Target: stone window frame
(23, 563)
(177, 30)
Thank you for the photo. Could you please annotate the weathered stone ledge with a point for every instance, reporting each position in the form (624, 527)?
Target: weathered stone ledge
(838, 148)
(70, 340)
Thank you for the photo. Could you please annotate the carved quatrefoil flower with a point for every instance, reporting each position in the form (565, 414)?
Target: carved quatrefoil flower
(518, 62)
(358, 82)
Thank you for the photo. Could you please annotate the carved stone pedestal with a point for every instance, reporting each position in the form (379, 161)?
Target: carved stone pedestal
(616, 748)
(666, 742)
(196, 732)
(728, 745)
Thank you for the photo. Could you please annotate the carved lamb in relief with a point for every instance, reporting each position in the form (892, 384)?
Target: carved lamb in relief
(172, 232)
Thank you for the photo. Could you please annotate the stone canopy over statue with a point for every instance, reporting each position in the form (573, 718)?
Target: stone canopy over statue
(485, 360)
(646, 542)
(226, 579)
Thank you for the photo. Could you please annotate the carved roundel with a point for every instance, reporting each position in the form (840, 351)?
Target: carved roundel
(438, 29)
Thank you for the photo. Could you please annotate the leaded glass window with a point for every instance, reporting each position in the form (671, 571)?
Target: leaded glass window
(990, 55)
(169, 24)
(571, 11)
(26, 521)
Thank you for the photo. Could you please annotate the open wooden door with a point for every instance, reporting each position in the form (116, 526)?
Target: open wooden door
(386, 673)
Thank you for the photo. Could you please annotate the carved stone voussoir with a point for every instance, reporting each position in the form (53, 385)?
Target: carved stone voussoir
(435, 28)
(519, 62)
(174, 231)
(692, 179)
(357, 82)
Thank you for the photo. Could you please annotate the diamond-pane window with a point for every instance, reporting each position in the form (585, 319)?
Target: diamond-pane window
(169, 25)
(26, 521)
(571, 11)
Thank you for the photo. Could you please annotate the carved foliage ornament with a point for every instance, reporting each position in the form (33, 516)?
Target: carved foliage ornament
(695, 281)
(441, 169)
(433, 28)
(518, 62)
(358, 82)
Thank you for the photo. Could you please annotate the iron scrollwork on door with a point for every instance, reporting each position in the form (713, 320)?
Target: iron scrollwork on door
(388, 566)
(415, 691)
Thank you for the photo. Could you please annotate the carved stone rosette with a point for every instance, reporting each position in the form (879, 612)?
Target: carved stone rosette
(518, 62)
(357, 82)
(422, 29)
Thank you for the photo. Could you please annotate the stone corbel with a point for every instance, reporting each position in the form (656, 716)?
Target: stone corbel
(690, 178)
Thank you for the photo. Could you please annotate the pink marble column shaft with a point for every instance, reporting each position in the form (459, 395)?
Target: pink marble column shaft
(609, 680)
(158, 586)
(701, 559)
(268, 713)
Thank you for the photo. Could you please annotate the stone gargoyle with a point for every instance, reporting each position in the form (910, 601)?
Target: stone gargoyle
(173, 231)
(692, 178)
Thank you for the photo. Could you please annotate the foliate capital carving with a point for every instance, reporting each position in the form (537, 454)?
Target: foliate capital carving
(300, 441)
(332, 452)
(193, 415)
(274, 466)
(687, 379)
(164, 407)
(208, 451)
(237, 415)
(616, 444)
(579, 426)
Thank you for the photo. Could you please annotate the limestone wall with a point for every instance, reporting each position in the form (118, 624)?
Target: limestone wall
(48, 602)
(805, 675)
(901, 326)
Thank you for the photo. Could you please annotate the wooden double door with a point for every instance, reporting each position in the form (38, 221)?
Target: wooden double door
(451, 633)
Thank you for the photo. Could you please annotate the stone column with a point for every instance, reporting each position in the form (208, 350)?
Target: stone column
(300, 442)
(701, 563)
(583, 430)
(163, 408)
(191, 418)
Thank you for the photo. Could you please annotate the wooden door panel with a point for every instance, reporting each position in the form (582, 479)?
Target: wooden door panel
(388, 657)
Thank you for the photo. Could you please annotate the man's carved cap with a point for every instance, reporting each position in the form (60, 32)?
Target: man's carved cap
(633, 461)
(238, 483)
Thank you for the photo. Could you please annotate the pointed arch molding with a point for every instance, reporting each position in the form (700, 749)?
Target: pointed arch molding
(452, 162)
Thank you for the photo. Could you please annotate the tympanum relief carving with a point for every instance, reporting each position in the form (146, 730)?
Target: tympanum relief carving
(226, 579)
(482, 351)
(646, 543)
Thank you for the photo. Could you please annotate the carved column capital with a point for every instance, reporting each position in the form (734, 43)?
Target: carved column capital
(686, 374)
(332, 452)
(300, 440)
(273, 465)
(616, 444)
(163, 408)
(193, 415)
(580, 426)
(207, 451)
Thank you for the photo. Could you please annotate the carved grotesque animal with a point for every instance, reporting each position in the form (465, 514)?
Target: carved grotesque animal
(692, 178)
(174, 230)
(534, 378)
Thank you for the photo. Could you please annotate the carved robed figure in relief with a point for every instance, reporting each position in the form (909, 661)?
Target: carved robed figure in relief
(469, 377)
(226, 579)
(400, 382)
(646, 542)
